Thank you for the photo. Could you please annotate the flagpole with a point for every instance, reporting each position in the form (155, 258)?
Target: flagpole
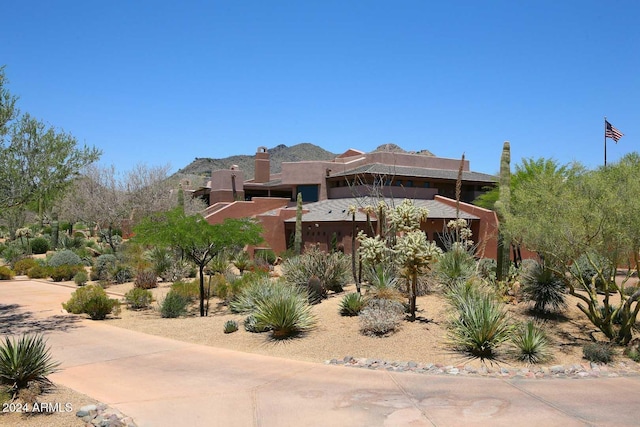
(605, 141)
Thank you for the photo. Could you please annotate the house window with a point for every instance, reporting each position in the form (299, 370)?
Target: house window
(426, 184)
(309, 192)
(408, 183)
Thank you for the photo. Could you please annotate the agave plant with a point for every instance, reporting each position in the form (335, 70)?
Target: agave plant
(351, 304)
(532, 345)
(543, 287)
(24, 361)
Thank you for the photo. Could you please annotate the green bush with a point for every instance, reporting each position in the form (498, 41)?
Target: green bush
(138, 298)
(146, 279)
(265, 255)
(64, 257)
(23, 265)
(189, 290)
(65, 272)
(332, 269)
(173, 305)
(92, 300)
(598, 352)
(531, 343)
(122, 274)
(351, 304)
(230, 326)
(81, 278)
(103, 267)
(381, 316)
(24, 361)
(39, 245)
(544, 288)
(13, 252)
(39, 272)
(286, 313)
(479, 326)
(6, 273)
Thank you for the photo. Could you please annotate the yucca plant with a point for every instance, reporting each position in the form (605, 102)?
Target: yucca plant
(479, 327)
(455, 266)
(256, 291)
(285, 313)
(544, 288)
(24, 361)
(351, 304)
(531, 343)
(241, 261)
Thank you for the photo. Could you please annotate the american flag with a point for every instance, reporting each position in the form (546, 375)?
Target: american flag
(611, 132)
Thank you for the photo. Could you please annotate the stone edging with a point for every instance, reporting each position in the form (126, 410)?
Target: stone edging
(101, 415)
(582, 370)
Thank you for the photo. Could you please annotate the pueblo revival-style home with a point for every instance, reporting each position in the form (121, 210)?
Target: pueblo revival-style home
(353, 178)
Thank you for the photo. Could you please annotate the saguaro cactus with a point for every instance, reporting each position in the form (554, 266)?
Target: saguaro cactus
(502, 207)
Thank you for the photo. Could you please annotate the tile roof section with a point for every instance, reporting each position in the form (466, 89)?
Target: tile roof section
(338, 209)
(381, 169)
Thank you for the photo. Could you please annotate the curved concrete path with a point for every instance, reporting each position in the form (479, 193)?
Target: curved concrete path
(162, 382)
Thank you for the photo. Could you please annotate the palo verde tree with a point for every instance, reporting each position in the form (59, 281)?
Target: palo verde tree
(38, 161)
(198, 240)
(589, 215)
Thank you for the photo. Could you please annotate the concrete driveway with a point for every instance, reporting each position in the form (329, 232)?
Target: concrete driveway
(162, 382)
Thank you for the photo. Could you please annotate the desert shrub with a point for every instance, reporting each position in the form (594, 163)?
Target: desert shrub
(630, 290)
(286, 313)
(455, 266)
(173, 305)
(256, 292)
(189, 290)
(219, 263)
(64, 257)
(39, 245)
(633, 351)
(22, 266)
(315, 290)
(234, 285)
(265, 255)
(597, 352)
(230, 326)
(24, 361)
(103, 266)
(241, 261)
(531, 343)
(65, 272)
(544, 288)
(146, 279)
(384, 284)
(6, 273)
(122, 274)
(487, 268)
(479, 326)
(13, 252)
(39, 272)
(91, 300)
(381, 316)
(585, 273)
(81, 278)
(332, 269)
(178, 270)
(138, 298)
(161, 260)
(351, 304)
(251, 325)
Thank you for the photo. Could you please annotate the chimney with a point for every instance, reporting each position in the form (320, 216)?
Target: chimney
(262, 166)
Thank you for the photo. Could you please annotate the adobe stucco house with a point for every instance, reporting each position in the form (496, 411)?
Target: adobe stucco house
(353, 178)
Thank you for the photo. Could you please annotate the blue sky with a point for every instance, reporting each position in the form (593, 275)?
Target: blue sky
(160, 82)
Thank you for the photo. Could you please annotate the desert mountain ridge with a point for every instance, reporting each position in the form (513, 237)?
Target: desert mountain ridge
(203, 166)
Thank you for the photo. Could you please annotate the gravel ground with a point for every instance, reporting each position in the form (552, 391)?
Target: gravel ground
(64, 415)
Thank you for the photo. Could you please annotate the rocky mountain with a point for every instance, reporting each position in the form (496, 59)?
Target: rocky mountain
(202, 166)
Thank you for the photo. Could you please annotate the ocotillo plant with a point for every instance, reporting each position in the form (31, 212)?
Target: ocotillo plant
(502, 207)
